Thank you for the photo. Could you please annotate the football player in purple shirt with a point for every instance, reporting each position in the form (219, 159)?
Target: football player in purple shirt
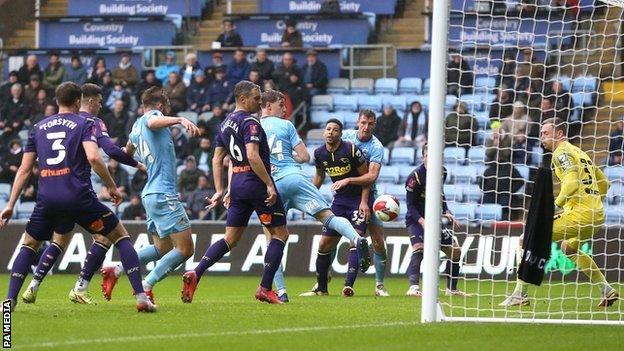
(251, 189)
(65, 147)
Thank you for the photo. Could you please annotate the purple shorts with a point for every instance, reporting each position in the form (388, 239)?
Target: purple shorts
(417, 235)
(240, 211)
(350, 212)
(96, 218)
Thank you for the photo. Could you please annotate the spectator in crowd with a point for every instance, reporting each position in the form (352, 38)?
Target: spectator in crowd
(315, 75)
(14, 110)
(203, 154)
(281, 76)
(188, 177)
(107, 86)
(460, 78)
(120, 176)
(500, 183)
(187, 72)
(32, 186)
(196, 200)
(461, 127)
(413, 125)
(388, 124)
(531, 66)
(147, 82)
(220, 90)
(32, 89)
(125, 72)
(507, 76)
(295, 90)
(176, 90)
(11, 161)
(170, 65)
(254, 77)
(498, 146)
(616, 159)
(517, 123)
(292, 38)
(98, 70)
(5, 88)
(330, 7)
(76, 72)
(263, 65)
(118, 93)
(50, 109)
(180, 143)
(139, 179)
(238, 69)
(118, 122)
(547, 109)
(36, 107)
(198, 95)
(31, 67)
(217, 63)
(134, 211)
(230, 38)
(562, 101)
(502, 106)
(54, 73)
(213, 124)
(616, 143)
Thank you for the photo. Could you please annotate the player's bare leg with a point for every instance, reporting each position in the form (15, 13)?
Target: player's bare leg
(24, 260)
(380, 256)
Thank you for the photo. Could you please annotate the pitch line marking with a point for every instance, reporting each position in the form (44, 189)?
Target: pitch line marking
(202, 335)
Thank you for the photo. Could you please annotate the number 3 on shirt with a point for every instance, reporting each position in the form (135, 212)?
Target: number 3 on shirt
(235, 151)
(57, 145)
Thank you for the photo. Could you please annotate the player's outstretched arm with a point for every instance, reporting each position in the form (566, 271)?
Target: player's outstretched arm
(303, 156)
(364, 180)
(21, 178)
(117, 153)
(98, 165)
(160, 122)
(255, 161)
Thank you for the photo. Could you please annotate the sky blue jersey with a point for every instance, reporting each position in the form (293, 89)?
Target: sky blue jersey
(373, 149)
(282, 137)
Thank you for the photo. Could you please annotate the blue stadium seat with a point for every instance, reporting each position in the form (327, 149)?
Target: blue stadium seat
(345, 102)
(386, 156)
(463, 212)
(472, 193)
(404, 172)
(397, 190)
(485, 84)
(180, 169)
(453, 193)
(615, 194)
(583, 98)
(338, 86)
(536, 155)
(322, 103)
(473, 101)
(372, 102)
(362, 86)
(397, 101)
(350, 119)
(311, 152)
(476, 154)
(25, 209)
(122, 206)
(585, 83)
(614, 173)
(524, 171)
(389, 174)
(462, 174)
(483, 120)
(190, 115)
(450, 101)
(23, 135)
(402, 155)
(411, 85)
(318, 118)
(426, 86)
(5, 191)
(489, 212)
(423, 99)
(614, 215)
(386, 86)
(315, 138)
(454, 155)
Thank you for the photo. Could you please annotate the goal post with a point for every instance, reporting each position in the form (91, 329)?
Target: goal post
(498, 70)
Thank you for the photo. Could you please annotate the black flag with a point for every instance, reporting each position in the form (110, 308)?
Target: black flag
(538, 229)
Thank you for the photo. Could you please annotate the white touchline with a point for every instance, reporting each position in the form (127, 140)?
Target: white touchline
(202, 335)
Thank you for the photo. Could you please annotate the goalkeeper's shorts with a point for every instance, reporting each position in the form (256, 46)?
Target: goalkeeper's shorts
(572, 227)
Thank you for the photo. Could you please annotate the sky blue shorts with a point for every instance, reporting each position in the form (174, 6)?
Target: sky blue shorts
(298, 192)
(165, 214)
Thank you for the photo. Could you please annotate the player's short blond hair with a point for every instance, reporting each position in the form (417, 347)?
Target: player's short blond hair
(559, 124)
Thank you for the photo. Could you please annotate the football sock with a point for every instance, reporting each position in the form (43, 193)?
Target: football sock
(521, 287)
(280, 284)
(25, 258)
(413, 270)
(47, 260)
(95, 258)
(380, 266)
(130, 261)
(166, 264)
(343, 227)
(587, 265)
(272, 260)
(323, 261)
(146, 254)
(212, 255)
(452, 271)
(353, 269)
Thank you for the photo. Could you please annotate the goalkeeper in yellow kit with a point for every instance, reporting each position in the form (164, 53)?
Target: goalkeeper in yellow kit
(579, 213)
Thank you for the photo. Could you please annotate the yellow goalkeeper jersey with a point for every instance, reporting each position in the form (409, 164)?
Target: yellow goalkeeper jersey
(582, 184)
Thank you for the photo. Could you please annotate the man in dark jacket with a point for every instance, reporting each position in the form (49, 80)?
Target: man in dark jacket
(30, 68)
(238, 69)
(314, 74)
(229, 38)
(282, 74)
(459, 78)
(5, 88)
(14, 111)
(388, 124)
(330, 7)
(220, 92)
(53, 74)
(263, 65)
(198, 94)
(147, 82)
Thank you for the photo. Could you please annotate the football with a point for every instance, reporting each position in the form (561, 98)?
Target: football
(386, 208)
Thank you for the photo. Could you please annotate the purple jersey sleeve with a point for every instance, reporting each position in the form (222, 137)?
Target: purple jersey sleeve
(31, 145)
(413, 188)
(219, 139)
(252, 131)
(89, 131)
(106, 143)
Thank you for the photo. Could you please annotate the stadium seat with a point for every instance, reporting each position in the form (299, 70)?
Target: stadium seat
(322, 103)
(524, 171)
(190, 115)
(350, 119)
(476, 154)
(389, 174)
(454, 155)
(122, 206)
(453, 193)
(318, 118)
(423, 99)
(386, 86)
(614, 215)
(206, 116)
(473, 101)
(484, 84)
(483, 120)
(25, 209)
(463, 211)
(472, 193)
(426, 86)
(404, 172)
(372, 102)
(615, 194)
(345, 103)
(397, 190)
(583, 98)
(402, 155)
(294, 215)
(362, 86)
(314, 137)
(463, 174)
(397, 101)
(386, 156)
(180, 169)
(5, 190)
(536, 155)
(489, 212)
(450, 101)
(614, 173)
(311, 152)
(410, 85)
(585, 83)
(338, 86)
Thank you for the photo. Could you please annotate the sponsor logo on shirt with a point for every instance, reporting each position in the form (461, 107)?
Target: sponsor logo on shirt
(54, 172)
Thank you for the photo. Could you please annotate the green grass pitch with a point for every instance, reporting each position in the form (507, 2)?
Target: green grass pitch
(224, 316)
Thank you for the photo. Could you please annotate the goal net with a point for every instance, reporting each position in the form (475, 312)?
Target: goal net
(513, 64)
